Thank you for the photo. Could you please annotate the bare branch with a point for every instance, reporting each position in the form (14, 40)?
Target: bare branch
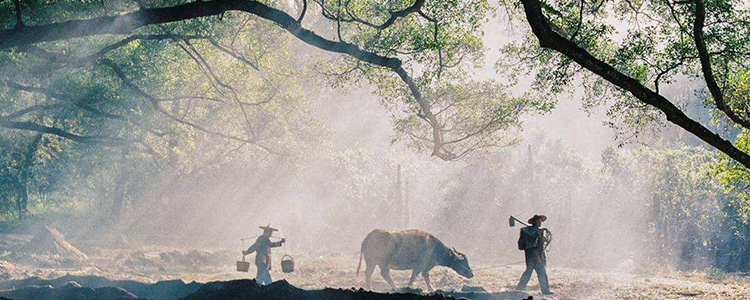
(92, 58)
(666, 71)
(80, 103)
(24, 111)
(234, 54)
(202, 61)
(394, 15)
(155, 103)
(4, 122)
(580, 22)
(401, 13)
(435, 37)
(674, 14)
(304, 10)
(492, 122)
(178, 98)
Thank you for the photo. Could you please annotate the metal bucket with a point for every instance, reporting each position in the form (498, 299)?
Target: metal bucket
(243, 266)
(287, 264)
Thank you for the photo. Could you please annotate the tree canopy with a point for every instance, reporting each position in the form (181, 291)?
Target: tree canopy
(624, 50)
(148, 79)
(417, 54)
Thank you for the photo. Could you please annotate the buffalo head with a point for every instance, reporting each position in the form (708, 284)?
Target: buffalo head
(459, 263)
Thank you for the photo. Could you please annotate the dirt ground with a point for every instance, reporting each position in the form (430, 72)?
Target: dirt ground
(152, 264)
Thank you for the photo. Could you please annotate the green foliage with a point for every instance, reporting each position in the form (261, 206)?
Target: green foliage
(438, 41)
(650, 41)
(227, 83)
(738, 91)
(173, 103)
(440, 44)
(734, 178)
(657, 206)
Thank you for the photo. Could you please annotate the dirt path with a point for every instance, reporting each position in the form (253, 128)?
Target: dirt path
(154, 264)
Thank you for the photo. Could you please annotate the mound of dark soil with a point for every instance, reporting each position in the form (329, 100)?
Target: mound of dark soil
(70, 291)
(167, 290)
(282, 290)
(51, 241)
(506, 295)
(95, 288)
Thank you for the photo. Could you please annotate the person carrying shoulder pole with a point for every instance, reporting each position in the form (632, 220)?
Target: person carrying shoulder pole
(262, 247)
(532, 242)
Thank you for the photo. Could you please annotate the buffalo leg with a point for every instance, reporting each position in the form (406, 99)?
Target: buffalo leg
(368, 275)
(386, 273)
(426, 276)
(414, 274)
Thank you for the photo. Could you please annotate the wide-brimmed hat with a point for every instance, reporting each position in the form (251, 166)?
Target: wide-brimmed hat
(535, 217)
(268, 228)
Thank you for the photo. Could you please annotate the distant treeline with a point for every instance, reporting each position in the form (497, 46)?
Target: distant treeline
(642, 207)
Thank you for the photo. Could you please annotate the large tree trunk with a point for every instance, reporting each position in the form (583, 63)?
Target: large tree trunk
(22, 202)
(118, 196)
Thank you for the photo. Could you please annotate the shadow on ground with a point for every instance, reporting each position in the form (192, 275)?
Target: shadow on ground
(167, 290)
(98, 288)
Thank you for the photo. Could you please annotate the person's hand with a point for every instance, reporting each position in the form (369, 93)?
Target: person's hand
(283, 241)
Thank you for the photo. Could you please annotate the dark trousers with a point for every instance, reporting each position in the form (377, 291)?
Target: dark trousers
(535, 261)
(264, 276)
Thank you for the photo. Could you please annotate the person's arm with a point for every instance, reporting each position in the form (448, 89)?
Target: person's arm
(278, 244)
(252, 248)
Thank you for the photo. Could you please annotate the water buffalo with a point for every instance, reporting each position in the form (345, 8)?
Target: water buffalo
(414, 250)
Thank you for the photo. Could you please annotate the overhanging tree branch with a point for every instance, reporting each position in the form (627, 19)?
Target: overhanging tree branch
(24, 111)
(80, 103)
(203, 63)
(31, 126)
(708, 74)
(392, 18)
(548, 38)
(124, 24)
(92, 58)
(288, 23)
(155, 102)
(234, 54)
(304, 10)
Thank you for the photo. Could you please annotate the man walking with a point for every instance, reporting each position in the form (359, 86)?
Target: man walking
(262, 247)
(532, 242)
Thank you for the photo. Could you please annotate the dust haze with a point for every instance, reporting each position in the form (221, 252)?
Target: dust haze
(347, 183)
(617, 203)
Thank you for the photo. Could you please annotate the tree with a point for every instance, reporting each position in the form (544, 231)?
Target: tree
(149, 102)
(437, 105)
(664, 39)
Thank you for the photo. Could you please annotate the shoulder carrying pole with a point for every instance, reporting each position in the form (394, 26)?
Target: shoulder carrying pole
(512, 221)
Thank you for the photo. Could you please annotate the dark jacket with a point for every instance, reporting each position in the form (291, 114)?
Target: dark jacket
(262, 247)
(531, 239)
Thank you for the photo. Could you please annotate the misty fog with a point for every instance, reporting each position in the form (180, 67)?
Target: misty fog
(345, 185)
(211, 142)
